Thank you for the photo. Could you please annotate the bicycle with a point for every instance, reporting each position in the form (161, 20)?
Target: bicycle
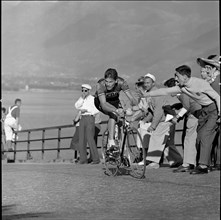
(126, 154)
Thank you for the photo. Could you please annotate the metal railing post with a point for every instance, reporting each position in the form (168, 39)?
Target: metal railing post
(75, 154)
(59, 143)
(28, 145)
(15, 145)
(43, 143)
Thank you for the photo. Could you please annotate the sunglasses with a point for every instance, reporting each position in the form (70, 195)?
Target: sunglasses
(84, 90)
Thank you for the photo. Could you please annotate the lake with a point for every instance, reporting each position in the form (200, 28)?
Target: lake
(43, 108)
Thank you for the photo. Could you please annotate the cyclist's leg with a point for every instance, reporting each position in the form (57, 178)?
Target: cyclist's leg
(110, 127)
(112, 119)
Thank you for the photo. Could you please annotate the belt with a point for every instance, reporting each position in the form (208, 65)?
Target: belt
(87, 115)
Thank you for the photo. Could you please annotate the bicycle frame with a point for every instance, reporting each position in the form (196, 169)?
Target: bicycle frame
(124, 130)
(128, 154)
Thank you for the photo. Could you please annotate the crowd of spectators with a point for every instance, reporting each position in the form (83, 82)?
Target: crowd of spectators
(200, 99)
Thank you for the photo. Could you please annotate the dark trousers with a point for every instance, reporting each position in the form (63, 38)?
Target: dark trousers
(86, 135)
(206, 132)
(218, 149)
(75, 139)
(173, 153)
(215, 157)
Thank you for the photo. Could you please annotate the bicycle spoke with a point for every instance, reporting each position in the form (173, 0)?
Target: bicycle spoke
(111, 164)
(135, 154)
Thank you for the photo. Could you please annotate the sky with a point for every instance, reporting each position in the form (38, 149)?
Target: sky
(81, 39)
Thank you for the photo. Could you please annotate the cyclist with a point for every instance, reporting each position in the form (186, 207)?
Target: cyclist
(107, 99)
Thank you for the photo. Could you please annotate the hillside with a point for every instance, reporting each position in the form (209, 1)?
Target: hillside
(79, 40)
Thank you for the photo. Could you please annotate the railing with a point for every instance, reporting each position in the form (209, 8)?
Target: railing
(43, 139)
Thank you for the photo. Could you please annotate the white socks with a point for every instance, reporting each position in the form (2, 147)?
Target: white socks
(111, 142)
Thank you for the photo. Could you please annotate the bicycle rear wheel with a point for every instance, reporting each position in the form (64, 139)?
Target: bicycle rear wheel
(111, 164)
(135, 153)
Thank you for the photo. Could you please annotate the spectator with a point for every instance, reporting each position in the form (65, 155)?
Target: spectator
(210, 71)
(3, 141)
(190, 112)
(200, 91)
(85, 104)
(141, 110)
(12, 122)
(142, 113)
(158, 129)
(145, 115)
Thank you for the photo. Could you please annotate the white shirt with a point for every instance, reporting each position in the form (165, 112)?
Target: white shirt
(88, 104)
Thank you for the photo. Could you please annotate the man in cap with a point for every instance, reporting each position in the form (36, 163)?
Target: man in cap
(85, 104)
(141, 113)
(200, 91)
(159, 128)
(210, 71)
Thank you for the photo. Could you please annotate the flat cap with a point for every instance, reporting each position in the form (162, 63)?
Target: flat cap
(150, 76)
(87, 86)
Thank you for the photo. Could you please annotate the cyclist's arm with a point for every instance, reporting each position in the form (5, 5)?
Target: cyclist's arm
(132, 99)
(105, 105)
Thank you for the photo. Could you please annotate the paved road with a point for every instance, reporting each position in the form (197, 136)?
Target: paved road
(65, 191)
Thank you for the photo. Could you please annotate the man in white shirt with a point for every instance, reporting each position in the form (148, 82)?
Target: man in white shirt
(85, 104)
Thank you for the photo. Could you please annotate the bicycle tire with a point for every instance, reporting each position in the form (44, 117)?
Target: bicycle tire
(135, 154)
(111, 165)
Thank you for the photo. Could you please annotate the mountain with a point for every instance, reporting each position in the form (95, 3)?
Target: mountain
(81, 39)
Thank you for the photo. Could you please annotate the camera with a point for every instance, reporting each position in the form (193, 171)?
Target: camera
(139, 83)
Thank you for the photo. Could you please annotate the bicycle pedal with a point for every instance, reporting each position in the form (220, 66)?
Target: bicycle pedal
(106, 173)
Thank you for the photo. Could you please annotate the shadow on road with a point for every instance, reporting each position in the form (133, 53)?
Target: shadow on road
(8, 213)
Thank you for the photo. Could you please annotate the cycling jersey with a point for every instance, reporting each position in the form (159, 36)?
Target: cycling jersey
(113, 94)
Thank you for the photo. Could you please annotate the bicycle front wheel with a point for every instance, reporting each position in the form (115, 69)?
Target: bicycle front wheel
(111, 164)
(136, 153)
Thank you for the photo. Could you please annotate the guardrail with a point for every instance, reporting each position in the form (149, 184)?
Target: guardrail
(43, 139)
